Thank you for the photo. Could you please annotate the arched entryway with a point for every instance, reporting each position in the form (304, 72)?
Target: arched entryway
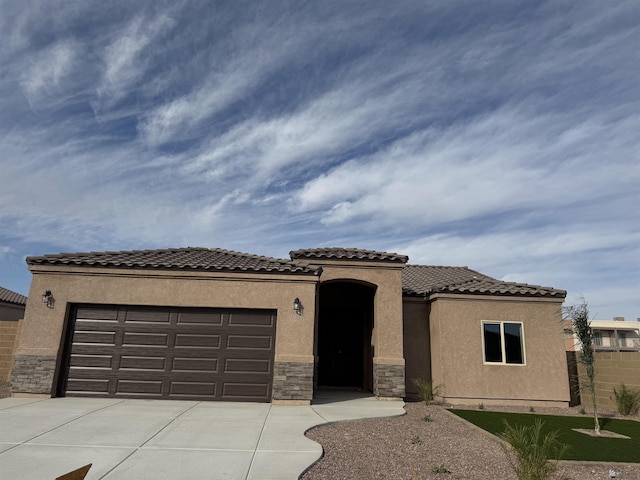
(345, 325)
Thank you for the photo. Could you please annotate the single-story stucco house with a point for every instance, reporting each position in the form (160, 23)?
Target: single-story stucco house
(213, 324)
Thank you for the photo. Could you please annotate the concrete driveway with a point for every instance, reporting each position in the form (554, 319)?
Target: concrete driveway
(162, 439)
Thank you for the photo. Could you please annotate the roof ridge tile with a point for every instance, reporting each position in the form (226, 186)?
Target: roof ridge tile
(339, 253)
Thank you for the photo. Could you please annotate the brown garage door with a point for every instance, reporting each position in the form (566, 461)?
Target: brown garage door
(197, 354)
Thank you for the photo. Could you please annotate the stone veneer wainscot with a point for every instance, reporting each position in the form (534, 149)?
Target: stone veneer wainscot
(388, 380)
(33, 374)
(293, 381)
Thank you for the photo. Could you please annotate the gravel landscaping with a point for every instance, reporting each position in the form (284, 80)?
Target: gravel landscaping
(411, 448)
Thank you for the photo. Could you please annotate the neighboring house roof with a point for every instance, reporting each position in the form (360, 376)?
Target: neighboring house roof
(424, 280)
(347, 253)
(614, 325)
(9, 296)
(191, 258)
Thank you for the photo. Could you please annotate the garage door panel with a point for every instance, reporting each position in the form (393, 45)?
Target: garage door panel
(250, 319)
(248, 355)
(200, 317)
(188, 389)
(243, 391)
(192, 340)
(182, 364)
(97, 326)
(242, 365)
(140, 387)
(89, 386)
(94, 337)
(139, 339)
(92, 349)
(92, 361)
(147, 316)
(181, 353)
(250, 331)
(253, 342)
(142, 363)
(97, 313)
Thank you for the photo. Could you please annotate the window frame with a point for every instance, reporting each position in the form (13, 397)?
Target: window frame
(597, 338)
(622, 339)
(503, 343)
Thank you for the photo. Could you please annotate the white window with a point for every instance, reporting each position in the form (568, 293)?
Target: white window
(503, 342)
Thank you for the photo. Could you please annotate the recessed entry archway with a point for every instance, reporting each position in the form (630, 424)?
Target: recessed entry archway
(345, 326)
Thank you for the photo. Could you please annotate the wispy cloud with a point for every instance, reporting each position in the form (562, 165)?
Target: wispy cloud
(124, 59)
(499, 136)
(48, 70)
(508, 160)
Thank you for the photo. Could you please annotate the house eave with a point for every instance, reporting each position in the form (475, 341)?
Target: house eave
(431, 297)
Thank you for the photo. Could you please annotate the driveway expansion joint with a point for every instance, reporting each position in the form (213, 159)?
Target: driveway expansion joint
(140, 447)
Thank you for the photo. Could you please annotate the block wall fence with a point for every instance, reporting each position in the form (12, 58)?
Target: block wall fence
(612, 369)
(9, 335)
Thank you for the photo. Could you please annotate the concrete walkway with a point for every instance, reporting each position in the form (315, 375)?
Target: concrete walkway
(163, 439)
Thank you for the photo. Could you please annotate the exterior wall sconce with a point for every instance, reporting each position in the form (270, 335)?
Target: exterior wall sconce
(297, 306)
(47, 298)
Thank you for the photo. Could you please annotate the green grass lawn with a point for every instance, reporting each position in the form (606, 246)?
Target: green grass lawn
(582, 447)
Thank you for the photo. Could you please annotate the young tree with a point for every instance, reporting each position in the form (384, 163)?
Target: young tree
(579, 316)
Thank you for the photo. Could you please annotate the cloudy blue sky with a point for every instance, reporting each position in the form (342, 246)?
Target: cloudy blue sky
(500, 135)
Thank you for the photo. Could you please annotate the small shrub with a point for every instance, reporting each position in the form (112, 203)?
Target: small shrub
(530, 452)
(481, 406)
(427, 418)
(426, 390)
(416, 440)
(531, 409)
(440, 469)
(627, 400)
(582, 411)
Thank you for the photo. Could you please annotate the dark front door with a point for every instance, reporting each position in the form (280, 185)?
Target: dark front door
(341, 351)
(344, 335)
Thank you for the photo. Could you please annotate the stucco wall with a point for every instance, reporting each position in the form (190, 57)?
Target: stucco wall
(417, 349)
(387, 329)
(386, 337)
(457, 355)
(612, 369)
(42, 329)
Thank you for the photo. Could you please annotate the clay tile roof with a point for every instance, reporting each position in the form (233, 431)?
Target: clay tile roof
(191, 258)
(348, 254)
(425, 280)
(9, 296)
